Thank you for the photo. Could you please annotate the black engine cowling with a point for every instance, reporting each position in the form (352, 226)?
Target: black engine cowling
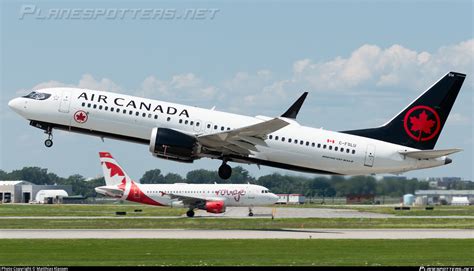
(172, 144)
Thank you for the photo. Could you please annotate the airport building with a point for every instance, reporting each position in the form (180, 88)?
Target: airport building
(444, 197)
(290, 199)
(26, 192)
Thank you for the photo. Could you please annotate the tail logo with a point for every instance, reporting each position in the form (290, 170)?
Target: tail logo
(422, 123)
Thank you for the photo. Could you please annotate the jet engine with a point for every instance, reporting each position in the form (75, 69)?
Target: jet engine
(215, 207)
(173, 145)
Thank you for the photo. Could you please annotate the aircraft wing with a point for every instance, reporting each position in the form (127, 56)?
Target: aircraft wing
(187, 200)
(243, 140)
(429, 154)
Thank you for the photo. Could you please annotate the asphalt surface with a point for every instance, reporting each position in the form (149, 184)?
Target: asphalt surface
(242, 212)
(241, 234)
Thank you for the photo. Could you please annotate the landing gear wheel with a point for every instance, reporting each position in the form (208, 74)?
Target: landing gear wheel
(225, 171)
(250, 211)
(250, 214)
(190, 213)
(48, 143)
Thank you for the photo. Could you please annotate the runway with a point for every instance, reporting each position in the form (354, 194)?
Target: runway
(241, 234)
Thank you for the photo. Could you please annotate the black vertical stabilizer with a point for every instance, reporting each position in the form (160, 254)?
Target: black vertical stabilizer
(420, 124)
(293, 111)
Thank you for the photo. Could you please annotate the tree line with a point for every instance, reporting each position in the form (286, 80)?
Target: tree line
(318, 186)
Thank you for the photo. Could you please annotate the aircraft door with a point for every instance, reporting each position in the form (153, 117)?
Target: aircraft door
(65, 101)
(369, 155)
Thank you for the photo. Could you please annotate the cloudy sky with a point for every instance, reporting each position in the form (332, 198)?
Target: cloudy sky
(361, 62)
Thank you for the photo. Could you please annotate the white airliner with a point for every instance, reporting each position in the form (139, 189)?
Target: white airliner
(214, 198)
(185, 133)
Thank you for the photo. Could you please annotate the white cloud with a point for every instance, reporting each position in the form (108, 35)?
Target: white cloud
(373, 66)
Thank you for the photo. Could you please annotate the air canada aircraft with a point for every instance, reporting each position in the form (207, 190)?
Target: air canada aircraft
(214, 198)
(185, 133)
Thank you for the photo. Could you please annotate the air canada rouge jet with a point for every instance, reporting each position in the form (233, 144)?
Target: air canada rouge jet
(214, 198)
(185, 133)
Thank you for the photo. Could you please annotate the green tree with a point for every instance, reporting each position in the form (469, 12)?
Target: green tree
(152, 176)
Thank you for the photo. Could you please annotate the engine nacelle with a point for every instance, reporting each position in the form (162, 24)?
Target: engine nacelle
(174, 145)
(215, 207)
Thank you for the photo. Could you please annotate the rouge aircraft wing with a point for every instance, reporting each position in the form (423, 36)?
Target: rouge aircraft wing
(187, 200)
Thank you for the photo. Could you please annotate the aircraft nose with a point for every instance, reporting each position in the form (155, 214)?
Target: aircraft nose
(15, 104)
(273, 198)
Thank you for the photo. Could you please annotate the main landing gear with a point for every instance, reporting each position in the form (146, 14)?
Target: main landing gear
(190, 213)
(225, 171)
(250, 211)
(49, 142)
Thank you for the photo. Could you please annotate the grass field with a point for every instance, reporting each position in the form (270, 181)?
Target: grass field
(234, 223)
(236, 252)
(146, 210)
(86, 210)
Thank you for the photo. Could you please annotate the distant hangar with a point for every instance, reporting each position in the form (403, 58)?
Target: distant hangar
(25, 192)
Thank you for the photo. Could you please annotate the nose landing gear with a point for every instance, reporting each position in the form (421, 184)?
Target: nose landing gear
(49, 142)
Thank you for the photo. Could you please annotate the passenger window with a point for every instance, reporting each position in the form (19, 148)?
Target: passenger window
(307, 143)
(208, 126)
(222, 128)
(88, 105)
(342, 149)
(180, 121)
(324, 146)
(301, 142)
(143, 114)
(289, 140)
(100, 107)
(283, 139)
(270, 136)
(191, 123)
(168, 119)
(353, 151)
(186, 122)
(94, 106)
(312, 144)
(156, 116)
(215, 127)
(276, 137)
(197, 124)
(319, 145)
(336, 148)
(83, 104)
(137, 113)
(330, 147)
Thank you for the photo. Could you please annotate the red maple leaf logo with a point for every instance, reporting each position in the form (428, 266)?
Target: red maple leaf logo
(114, 169)
(81, 117)
(421, 124)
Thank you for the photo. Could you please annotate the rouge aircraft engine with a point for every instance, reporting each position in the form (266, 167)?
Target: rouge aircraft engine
(215, 207)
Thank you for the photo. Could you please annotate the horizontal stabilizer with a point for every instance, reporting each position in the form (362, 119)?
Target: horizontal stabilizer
(429, 154)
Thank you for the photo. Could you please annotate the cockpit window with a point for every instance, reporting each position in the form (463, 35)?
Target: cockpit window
(37, 96)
